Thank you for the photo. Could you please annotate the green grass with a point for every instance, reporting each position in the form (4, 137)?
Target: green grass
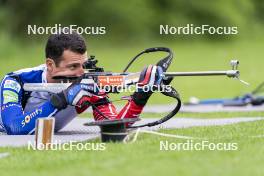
(145, 158)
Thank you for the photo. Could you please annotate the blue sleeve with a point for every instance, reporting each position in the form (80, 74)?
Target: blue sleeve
(15, 121)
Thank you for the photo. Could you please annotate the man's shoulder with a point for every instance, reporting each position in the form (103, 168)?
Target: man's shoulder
(30, 70)
(28, 75)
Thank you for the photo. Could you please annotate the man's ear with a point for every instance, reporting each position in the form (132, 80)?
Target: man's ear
(50, 65)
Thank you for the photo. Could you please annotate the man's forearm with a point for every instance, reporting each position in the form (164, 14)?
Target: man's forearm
(18, 123)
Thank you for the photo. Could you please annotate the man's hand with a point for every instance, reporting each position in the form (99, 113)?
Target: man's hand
(76, 95)
(150, 77)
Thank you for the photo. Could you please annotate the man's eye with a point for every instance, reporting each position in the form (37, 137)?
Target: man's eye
(73, 67)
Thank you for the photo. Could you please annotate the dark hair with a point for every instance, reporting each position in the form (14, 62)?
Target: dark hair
(57, 43)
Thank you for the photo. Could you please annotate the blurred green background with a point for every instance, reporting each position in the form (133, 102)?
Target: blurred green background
(132, 26)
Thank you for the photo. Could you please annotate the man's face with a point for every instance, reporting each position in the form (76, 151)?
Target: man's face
(70, 64)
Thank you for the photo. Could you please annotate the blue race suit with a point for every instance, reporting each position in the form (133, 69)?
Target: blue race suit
(20, 108)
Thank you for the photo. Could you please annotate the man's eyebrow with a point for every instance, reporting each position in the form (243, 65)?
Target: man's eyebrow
(73, 64)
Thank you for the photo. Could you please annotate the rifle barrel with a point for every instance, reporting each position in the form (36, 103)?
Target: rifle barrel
(229, 73)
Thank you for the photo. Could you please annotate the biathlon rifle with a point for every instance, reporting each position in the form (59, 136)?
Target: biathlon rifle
(102, 79)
